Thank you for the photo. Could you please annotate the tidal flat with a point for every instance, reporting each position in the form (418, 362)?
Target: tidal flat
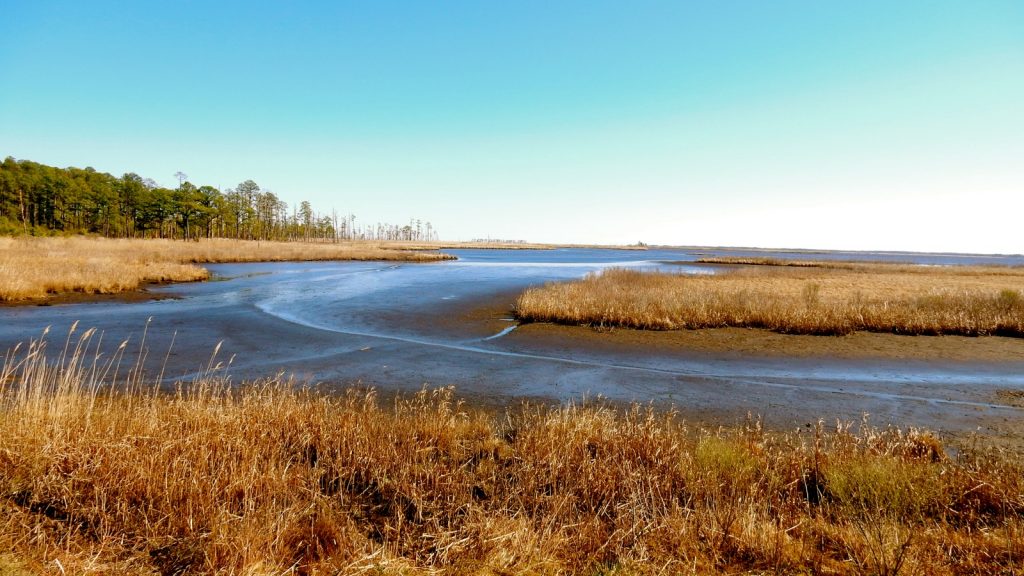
(398, 326)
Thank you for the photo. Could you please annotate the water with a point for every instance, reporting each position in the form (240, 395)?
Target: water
(923, 258)
(403, 326)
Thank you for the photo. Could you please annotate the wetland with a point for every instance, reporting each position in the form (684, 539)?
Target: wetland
(400, 326)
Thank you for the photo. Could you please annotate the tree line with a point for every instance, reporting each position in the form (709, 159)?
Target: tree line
(39, 199)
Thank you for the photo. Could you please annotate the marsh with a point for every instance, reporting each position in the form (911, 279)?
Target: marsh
(399, 326)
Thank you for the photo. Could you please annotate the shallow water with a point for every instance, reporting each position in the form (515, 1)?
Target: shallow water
(402, 326)
(923, 258)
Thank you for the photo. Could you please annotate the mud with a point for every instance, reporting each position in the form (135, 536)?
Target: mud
(783, 397)
(400, 327)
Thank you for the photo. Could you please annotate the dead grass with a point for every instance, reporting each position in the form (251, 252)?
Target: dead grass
(9, 567)
(101, 474)
(35, 268)
(768, 261)
(902, 299)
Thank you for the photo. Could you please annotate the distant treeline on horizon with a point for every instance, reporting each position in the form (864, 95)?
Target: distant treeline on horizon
(36, 199)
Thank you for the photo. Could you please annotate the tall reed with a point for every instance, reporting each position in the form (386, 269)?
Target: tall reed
(800, 300)
(101, 473)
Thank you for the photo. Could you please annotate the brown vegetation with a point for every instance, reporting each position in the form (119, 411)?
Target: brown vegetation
(902, 299)
(34, 268)
(105, 475)
(768, 261)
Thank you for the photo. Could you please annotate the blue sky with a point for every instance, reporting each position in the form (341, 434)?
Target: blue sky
(859, 125)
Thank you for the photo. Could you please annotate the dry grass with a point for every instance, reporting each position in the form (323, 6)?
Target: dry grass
(768, 261)
(35, 268)
(99, 474)
(901, 299)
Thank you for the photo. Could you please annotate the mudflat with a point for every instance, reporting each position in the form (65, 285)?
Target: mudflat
(991, 412)
(765, 343)
(401, 327)
(494, 311)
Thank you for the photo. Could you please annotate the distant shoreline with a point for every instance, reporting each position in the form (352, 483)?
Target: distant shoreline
(82, 268)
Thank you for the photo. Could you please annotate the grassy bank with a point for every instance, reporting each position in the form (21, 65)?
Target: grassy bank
(804, 299)
(35, 268)
(766, 261)
(99, 474)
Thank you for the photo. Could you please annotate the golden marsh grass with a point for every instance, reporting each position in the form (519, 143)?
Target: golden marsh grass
(768, 261)
(802, 299)
(100, 474)
(34, 268)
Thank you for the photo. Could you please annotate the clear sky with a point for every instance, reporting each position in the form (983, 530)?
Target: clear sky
(858, 125)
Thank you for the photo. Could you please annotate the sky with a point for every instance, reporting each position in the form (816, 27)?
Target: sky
(868, 125)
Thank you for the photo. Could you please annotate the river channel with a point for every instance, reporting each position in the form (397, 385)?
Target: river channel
(400, 327)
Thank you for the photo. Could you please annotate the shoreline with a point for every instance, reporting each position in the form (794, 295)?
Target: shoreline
(750, 347)
(135, 295)
(52, 271)
(713, 377)
(492, 314)
(760, 342)
(794, 298)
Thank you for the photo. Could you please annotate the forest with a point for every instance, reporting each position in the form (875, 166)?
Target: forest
(36, 199)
